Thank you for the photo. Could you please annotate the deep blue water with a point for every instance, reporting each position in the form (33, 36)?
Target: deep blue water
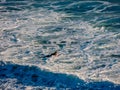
(85, 34)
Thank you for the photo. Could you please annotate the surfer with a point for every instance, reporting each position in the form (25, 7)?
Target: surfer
(52, 54)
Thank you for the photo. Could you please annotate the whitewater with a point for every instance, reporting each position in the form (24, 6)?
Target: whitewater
(84, 33)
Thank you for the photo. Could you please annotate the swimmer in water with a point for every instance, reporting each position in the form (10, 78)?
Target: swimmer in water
(52, 54)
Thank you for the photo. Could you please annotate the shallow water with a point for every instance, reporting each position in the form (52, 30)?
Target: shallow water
(86, 35)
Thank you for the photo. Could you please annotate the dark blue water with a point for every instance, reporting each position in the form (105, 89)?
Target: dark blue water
(84, 33)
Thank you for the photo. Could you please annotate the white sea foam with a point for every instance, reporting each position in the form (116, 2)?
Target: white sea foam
(84, 50)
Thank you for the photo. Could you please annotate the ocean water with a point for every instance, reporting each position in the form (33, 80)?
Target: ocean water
(85, 34)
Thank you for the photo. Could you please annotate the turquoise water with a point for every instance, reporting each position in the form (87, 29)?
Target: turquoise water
(85, 34)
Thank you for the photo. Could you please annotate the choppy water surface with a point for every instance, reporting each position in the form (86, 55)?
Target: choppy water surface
(86, 34)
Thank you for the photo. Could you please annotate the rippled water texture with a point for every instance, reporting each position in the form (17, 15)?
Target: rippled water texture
(85, 34)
